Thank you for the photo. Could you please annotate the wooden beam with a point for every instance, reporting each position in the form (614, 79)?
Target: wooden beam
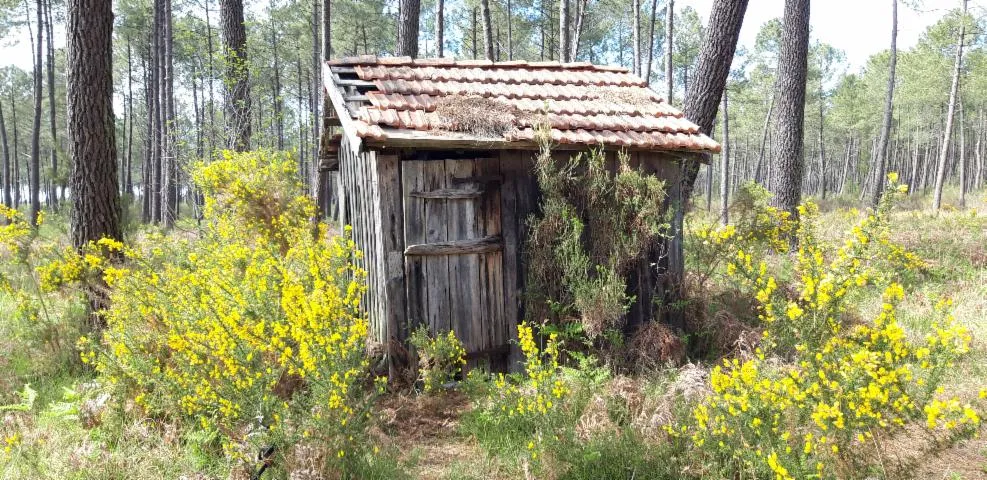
(449, 193)
(346, 120)
(493, 243)
(353, 83)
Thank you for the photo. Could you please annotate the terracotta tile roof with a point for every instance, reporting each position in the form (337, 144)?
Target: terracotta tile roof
(390, 98)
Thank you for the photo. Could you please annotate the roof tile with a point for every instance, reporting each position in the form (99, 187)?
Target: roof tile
(583, 104)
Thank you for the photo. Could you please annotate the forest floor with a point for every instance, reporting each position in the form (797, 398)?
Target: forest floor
(427, 437)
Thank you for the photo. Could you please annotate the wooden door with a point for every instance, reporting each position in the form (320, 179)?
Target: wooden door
(454, 252)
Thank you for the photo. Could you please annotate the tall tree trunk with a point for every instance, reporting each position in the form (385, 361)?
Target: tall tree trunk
(565, 31)
(154, 93)
(670, 50)
(510, 30)
(211, 76)
(96, 201)
(8, 198)
(790, 121)
(237, 74)
(278, 101)
(440, 23)
(882, 147)
(978, 179)
(408, 24)
(651, 42)
(488, 43)
(16, 176)
(34, 171)
(169, 165)
(636, 36)
(822, 142)
(963, 175)
(52, 119)
(765, 130)
(715, 57)
(951, 110)
(725, 158)
(128, 180)
(321, 161)
(577, 31)
(712, 68)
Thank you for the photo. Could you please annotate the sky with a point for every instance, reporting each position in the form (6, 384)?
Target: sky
(860, 28)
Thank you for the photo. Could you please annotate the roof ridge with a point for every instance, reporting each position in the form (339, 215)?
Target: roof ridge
(470, 63)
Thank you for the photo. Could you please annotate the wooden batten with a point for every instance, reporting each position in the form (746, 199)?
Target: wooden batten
(449, 193)
(492, 243)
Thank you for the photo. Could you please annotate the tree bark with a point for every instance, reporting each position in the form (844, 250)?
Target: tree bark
(951, 110)
(488, 43)
(34, 170)
(52, 119)
(96, 201)
(712, 69)
(670, 50)
(725, 159)
(636, 36)
(651, 42)
(440, 28)
(765, 130)
(169, 164)
(822, 143)
(408, 28)
(963, 175)
(577, 31)
(8, 198)
(564, 30)
(237, 74)
(790, 121)
(882, 147)
(16, 167)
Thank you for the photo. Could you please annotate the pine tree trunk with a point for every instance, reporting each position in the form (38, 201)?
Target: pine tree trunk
(169, 166)
(8, 199)
(277, 100)
(669, 43)
(510, 30)
(765, 130)
(790, 121)
(129, 179)
(712, 68)
(440, 28)
(488, 45)
(52, 119)
(822, 143)
(882, 148)
(577, 31)
(16, 175)
(951, 110)
(962, 161)
(237, 74)
(651, 42)
(34, 170)
(211, 78)
(725, 167)
(96, 202)
(636, 36)
(564, 30)
(410, 18)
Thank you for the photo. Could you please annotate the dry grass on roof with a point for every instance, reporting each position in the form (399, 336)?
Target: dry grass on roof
(479, 116)
(637, 97)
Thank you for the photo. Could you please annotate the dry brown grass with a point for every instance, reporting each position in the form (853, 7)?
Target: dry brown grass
(476, 115)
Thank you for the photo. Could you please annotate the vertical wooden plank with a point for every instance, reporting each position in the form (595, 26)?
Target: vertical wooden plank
(511, 169)
(412, 179)
(497, 327)
(391, 234)
(437, 268)
(463, 269)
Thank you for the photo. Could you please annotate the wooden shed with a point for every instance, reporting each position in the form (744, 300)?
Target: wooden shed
(438, 205)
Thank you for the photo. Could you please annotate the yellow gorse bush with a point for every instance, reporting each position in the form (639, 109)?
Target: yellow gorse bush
(440, 358)
(845, 384)
(252, 329)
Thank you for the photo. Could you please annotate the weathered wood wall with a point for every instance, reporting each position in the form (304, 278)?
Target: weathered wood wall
(443, 239)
